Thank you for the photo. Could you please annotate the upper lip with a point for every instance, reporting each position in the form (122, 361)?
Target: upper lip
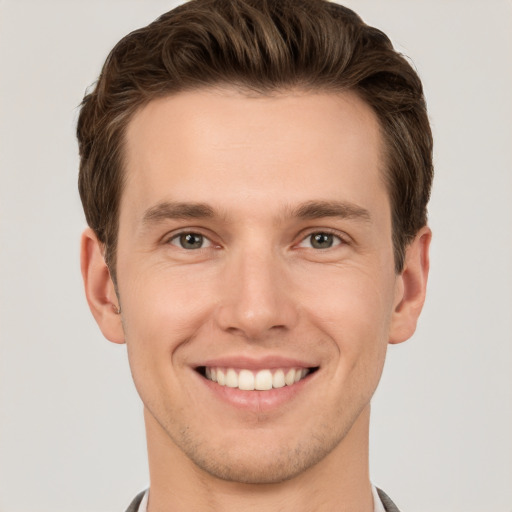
(267, 362)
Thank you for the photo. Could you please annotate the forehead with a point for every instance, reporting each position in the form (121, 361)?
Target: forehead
(224, 145)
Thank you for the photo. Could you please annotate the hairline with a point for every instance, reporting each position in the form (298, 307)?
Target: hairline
(253, 91)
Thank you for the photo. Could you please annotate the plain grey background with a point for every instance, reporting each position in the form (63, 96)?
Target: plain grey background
(71, 432)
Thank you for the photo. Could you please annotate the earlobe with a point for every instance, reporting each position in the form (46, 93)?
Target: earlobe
(411, 288)
(99, 288)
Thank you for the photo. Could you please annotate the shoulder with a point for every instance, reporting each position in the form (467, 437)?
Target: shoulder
(386, 501)
(134, 505)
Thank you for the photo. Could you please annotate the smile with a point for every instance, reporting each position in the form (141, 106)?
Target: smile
(261, 380)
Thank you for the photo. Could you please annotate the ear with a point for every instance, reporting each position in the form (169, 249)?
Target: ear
(99, 288)
(411, 287)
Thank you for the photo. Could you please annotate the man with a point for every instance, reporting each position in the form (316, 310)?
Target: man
(255, 176)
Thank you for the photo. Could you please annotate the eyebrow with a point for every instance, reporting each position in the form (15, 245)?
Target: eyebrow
(177, 210)
(319, 209)
(307, 211)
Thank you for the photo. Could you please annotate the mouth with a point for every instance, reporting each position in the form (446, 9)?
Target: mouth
(255, 380)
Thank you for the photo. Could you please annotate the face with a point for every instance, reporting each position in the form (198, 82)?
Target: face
(255, 276)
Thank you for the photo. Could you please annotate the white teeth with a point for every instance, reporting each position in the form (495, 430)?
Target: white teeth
(278, 379)
(231, 378)
(289, 378)
(246, 380)
(261, 380)
(221, 378)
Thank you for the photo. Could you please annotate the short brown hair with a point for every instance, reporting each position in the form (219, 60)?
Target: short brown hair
(260, 46)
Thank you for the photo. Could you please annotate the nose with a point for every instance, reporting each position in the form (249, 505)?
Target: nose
(256, 299)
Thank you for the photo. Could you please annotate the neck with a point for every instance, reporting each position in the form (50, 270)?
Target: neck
(338, 482)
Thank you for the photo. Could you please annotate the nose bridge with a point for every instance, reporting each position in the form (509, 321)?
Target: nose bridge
(254, 296)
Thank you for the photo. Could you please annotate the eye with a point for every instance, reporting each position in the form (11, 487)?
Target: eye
(190, 241)
(321, 240)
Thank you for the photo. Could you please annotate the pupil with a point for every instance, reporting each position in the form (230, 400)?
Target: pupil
(191, 241)
(321, 240)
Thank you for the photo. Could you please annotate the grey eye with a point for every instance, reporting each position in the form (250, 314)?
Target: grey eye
(190, 241)
(321, 240)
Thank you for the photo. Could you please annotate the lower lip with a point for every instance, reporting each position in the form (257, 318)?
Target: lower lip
(259, 401)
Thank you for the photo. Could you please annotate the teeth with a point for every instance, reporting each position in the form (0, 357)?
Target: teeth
(221, 378)
(278, 379)
(261, 380)
(246, 380)
(231, 379)
(289, 378)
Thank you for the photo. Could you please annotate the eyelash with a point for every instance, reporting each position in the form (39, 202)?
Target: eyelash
(326, 232)
(178, 236)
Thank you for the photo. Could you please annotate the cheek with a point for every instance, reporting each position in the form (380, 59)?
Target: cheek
(350, 299)
(161, 303)
(353, 309)
(161, 313)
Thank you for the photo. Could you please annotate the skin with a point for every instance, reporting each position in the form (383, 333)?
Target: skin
(256, 289)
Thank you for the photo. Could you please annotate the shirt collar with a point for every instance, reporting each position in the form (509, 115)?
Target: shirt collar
(377, 503)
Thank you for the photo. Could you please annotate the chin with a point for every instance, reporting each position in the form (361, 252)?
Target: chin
(260, 464)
